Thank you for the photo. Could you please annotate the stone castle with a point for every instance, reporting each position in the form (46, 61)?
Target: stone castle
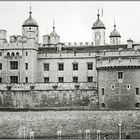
(56, 74)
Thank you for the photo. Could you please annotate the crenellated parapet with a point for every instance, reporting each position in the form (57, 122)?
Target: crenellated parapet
(118, 58)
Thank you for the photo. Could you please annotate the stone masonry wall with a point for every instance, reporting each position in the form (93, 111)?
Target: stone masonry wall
(48, 95)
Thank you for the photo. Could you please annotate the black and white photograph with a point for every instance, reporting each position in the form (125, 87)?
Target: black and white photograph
(70, 70)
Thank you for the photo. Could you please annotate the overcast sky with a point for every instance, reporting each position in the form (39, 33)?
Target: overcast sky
(73, 19)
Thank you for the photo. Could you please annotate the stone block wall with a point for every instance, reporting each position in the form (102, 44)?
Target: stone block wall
(48, 95)
(119, 95)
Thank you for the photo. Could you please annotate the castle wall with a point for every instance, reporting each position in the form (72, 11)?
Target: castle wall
(68, 59)
(119, 92)
(48, 95)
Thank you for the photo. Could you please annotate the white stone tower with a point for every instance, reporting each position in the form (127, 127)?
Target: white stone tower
(115, 38)
(98, 32)
(30, 28)
(30, 32)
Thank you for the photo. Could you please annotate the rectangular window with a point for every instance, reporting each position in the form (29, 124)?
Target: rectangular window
(46, 79)
(26, 79)
(60, 66)
(90, 66)
(103, 91)
(0, 66)
(75, 79)
(46, 66)
(13, 65)
(26, 66)
(75, 66)
(60, 79)
(120, 75)
(13, 79)
(26, 53)
(0, 80)
(90, 79)
(137, 91)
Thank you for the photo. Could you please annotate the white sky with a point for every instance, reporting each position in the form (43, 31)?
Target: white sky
(73, 19)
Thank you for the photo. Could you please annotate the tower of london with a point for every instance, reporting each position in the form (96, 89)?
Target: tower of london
(54, 73)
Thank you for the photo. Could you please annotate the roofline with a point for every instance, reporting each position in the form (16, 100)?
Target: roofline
(115, 36)
(30, 26)
(98, 27)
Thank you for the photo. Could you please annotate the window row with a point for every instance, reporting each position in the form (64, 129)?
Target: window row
(13, 54)
(61, 66)
(74, 79)
(137, 91)
(14, 79)
(14, 65)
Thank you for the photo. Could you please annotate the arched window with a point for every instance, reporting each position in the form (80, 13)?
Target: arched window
(12, 54)
(8, 54)
(17, 54)
(103, 105)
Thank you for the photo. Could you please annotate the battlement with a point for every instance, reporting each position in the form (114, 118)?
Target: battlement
(119, 53)
(77, 44)
(121, 58)
(68, 44)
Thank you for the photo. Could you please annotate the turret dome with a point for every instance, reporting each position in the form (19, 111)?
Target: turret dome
(98, 24)
(115, 33)
(30, 22)
(53, 33)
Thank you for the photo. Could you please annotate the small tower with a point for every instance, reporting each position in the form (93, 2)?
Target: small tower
(3, 35)
(54, 37)
(115, 38)
(30, 28)
(98, 32)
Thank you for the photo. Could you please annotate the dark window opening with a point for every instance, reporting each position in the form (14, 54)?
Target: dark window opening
(60, 66)
(75, 66)
(60, 79)
(75, 79)
(137, 91)
(14, 65)
(120, 75)
(90, 79)
(26, 79)
(90, 66)
(103, 91)
(26, 66)
(137, 105)
(46, 67)
(103, 105)
(0, 66)
(13, 79)
(46, 79)
(0, 80)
